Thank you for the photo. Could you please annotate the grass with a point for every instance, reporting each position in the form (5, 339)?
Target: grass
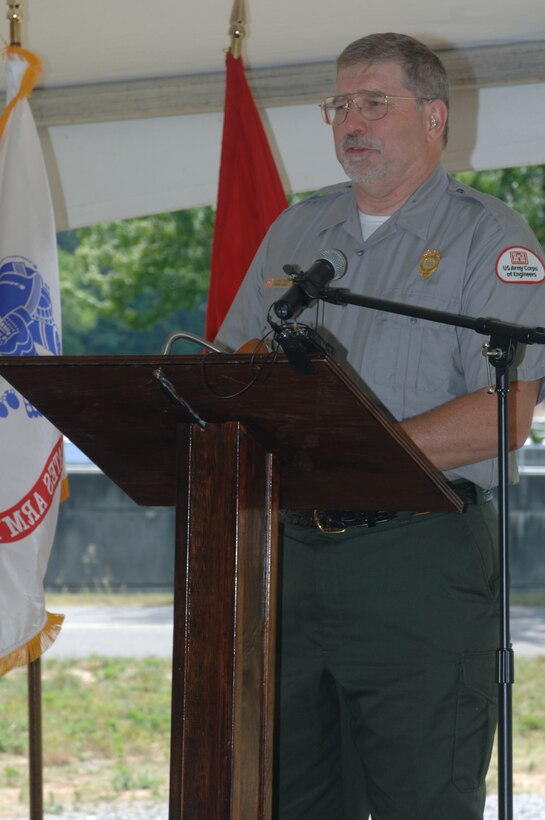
(528, 728)
(106, 729)
(106, 724)
(536, 598)
(106, 733)
(56, 600)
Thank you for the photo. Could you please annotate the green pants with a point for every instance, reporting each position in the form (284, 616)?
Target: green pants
(388, 640)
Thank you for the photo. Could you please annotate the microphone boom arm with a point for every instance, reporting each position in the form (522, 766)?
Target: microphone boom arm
(484, 325)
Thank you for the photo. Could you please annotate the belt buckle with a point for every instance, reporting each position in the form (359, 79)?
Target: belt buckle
(327, 530)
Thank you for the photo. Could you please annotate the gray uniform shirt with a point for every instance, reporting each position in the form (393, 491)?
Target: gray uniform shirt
(410, 365)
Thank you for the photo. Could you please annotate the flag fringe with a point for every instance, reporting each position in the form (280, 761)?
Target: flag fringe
(33, 71)
(35, 647)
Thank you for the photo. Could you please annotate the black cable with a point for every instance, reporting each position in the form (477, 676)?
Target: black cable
(270, 359)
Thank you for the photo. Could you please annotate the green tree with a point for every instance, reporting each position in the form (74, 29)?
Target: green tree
(523, 189)
(127, 285)
(148, 275)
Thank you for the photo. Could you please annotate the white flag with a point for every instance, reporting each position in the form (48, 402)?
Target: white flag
(31, 454)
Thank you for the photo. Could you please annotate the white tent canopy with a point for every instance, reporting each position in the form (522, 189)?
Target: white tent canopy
(130, 102)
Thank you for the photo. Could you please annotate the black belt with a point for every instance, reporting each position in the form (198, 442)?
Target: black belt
(342, 520)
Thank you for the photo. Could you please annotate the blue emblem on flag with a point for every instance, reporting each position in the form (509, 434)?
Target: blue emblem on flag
(26, 321)
(9, 400)
(26, 311)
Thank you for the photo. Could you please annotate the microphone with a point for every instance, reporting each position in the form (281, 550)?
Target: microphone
(331, 264)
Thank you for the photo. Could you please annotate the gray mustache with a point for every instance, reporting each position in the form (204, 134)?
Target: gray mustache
(355, 141)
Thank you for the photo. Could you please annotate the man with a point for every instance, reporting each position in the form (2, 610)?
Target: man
(393, 628)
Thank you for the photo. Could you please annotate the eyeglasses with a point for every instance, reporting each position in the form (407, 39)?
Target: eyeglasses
(370, 105)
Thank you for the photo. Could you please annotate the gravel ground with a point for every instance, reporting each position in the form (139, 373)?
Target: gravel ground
(127, 811)
(526, 807)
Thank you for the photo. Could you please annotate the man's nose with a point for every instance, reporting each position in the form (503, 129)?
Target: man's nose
(354, 118)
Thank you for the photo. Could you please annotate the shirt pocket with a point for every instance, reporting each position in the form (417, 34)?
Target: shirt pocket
(406, 350)
(475, 720)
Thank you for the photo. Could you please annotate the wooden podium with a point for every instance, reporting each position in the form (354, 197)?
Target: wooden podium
(228, 440)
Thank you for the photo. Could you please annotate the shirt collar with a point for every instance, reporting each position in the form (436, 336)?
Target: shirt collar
(415, 215)
(417, 212)
(342, 209)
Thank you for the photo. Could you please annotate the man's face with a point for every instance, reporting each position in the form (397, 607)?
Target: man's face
(385, 153)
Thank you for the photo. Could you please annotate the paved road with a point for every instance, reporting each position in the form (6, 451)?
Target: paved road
(114, 631)
(138, 632)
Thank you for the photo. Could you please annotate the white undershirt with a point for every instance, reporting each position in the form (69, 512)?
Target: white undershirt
(370, 223)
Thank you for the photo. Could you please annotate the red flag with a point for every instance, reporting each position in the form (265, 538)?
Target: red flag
(250, 195)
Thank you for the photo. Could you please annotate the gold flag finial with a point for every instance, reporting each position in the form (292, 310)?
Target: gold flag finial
(15, 17)
(237, 29)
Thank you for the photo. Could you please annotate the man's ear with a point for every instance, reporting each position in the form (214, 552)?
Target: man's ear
(437, 115)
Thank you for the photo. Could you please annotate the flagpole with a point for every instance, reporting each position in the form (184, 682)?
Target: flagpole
(238, 232)
(237, 28)
(15, 17)
(35, 759)
(34, 668)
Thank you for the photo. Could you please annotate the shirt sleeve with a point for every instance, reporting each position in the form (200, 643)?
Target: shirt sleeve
(243, 321)
(487, 294)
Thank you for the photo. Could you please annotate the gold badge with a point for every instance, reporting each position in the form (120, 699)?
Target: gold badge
(429, 262)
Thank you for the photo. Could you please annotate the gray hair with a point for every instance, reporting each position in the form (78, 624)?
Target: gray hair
(424, 74)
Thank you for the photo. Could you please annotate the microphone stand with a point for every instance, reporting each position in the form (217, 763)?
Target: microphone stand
(500, 353)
